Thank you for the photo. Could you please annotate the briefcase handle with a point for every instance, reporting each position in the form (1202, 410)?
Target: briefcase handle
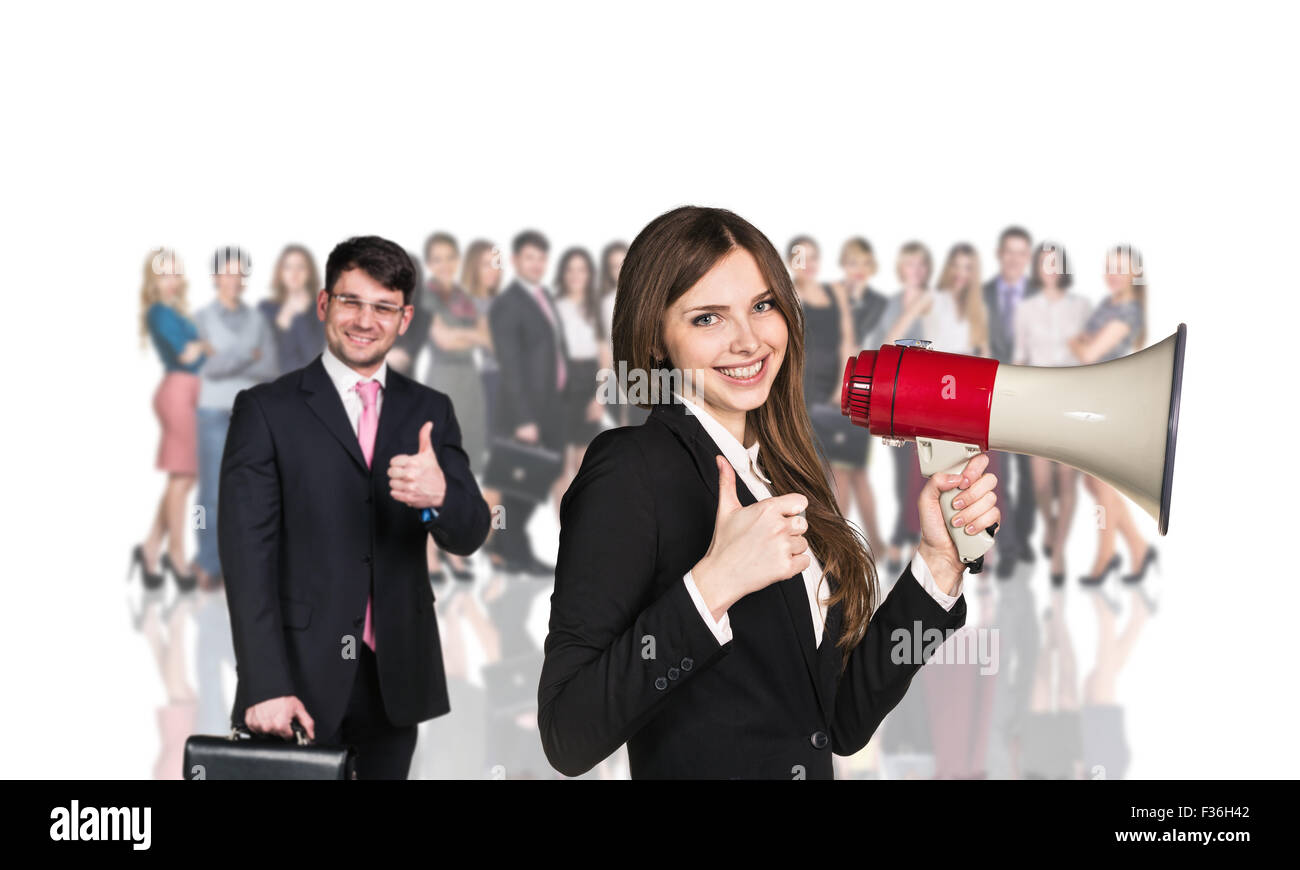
(241, 732)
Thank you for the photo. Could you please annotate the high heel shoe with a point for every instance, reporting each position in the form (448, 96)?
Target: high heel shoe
(1058, 580)
(151, 592)
(152, 580)
(184, 582)
(1138, 579)
(1098, 579)
(1147, 560)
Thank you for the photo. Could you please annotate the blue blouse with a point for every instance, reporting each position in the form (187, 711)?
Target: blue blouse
(171, 331)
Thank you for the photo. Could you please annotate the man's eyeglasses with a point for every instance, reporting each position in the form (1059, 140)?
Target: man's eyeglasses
(354, 305)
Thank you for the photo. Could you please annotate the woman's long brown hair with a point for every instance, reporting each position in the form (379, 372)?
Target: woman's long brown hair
(664, 261)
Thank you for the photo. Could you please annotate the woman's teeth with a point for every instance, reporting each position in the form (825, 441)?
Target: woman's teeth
(360, 339)
(742, 374)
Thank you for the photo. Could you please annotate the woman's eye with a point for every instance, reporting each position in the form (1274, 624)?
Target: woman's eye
(761, 302)
(697, 320)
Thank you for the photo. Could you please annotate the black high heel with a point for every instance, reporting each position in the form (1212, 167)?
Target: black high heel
(1147, 560)
(151, 583)
(150, 579)
(1098, 579)
(185, 583)
(1058, 580)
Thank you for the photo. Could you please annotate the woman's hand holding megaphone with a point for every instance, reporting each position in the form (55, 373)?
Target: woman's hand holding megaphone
(977, 510)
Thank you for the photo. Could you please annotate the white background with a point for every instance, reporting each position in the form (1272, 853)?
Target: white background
(128, 126)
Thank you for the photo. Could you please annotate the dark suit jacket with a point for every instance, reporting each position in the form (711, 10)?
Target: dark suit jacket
(1002, 344)
(524, 343)
(630, 659)
(304, 527)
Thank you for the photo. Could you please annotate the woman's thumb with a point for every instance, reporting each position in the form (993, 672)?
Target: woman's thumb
(727, 501)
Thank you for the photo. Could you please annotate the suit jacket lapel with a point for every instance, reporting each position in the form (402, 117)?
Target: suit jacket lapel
(324, 401)
(829, 654)
(793, 591)
(398, 405)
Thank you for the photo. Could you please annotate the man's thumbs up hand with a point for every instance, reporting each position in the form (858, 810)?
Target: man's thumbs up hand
(417, 479)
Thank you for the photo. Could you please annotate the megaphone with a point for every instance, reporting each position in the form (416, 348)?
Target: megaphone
(1117, 420)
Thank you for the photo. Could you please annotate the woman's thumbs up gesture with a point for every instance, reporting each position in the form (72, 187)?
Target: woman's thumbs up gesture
(752, 546)
(417, 479)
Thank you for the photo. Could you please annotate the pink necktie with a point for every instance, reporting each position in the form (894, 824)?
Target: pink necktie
(368, 390)
(560, 373)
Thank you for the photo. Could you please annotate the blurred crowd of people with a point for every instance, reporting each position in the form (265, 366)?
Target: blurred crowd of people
(483, 341)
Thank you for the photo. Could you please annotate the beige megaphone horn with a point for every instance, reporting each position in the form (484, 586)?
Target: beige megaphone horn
(1117, 420)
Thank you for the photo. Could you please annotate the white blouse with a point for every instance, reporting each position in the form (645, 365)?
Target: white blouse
(1045, 326)
(943, 325)
(745, 462)
(579, 334)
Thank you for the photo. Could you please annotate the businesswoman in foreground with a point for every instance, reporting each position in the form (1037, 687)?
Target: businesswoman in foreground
(712, 607)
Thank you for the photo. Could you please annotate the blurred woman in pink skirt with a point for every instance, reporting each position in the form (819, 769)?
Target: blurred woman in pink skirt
(164, 319)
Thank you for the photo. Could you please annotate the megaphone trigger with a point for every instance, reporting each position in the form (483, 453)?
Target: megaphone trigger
(937, 456)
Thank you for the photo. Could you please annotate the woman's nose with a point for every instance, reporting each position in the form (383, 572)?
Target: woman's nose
(743, 340)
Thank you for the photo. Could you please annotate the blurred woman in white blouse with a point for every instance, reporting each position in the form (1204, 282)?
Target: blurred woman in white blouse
(958, 321)
(1045, 323)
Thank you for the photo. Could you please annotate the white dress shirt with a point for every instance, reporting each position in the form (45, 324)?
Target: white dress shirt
(345, 380)
(745, 462)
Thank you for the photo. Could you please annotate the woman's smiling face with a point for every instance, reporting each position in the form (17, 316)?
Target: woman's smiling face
(728, 332)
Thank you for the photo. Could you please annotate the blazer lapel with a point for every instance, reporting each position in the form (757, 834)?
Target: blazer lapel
(829, 655)
(398, 405)
(324, 401)
(793, 591)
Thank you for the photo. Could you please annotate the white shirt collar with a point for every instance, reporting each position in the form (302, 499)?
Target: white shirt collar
(740, 457)
(345, 377)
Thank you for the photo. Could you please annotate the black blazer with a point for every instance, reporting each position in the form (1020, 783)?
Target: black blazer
(524, 343)
(630, 659)
(303, 529)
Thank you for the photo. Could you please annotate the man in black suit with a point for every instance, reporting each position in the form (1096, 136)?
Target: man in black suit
(1002, 295)
(332, 478)
(528, 339)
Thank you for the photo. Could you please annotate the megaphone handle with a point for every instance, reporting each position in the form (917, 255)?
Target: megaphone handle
(949, 457)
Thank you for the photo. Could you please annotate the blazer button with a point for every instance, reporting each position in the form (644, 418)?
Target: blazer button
(819, 740)
(661, 684)
(673, 673)
(688, 663)
(366, 559)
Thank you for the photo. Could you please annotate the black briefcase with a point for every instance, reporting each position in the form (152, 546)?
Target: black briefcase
(841, 440)
(244, 755)
(523, 470)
